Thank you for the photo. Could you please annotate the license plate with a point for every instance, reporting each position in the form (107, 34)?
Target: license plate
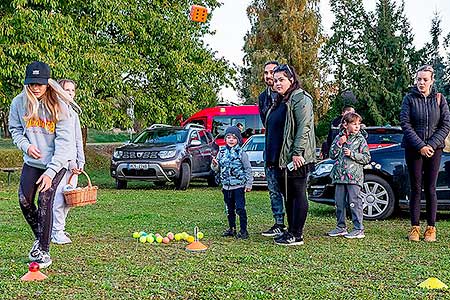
(138, 166)
(261, 174)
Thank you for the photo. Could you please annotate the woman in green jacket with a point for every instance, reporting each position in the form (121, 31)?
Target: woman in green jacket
(290, 146)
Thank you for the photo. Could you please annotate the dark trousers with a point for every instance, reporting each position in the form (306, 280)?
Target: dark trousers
(296, 200)
(426, 169)
(235, 202)
(39, 218)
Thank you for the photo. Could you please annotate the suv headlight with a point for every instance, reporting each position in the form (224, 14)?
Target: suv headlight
(167, 154)
(117, 154)
(322, 169)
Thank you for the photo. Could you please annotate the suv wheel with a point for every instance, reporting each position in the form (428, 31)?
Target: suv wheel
(378, 198)
(185, 177)
(121, 184)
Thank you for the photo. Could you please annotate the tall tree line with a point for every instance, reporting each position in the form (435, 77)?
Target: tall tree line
(146, 54)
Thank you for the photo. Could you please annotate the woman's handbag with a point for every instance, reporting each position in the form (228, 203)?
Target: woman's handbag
(80, 196)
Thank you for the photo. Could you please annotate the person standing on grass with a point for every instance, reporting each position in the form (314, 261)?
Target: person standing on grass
(351, 152)
(76, 165)
(291, 143)
(425, 120)
(41, 127)
(272, 172)
(235, 171)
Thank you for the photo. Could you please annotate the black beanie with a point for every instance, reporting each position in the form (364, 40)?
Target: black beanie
(236, 132)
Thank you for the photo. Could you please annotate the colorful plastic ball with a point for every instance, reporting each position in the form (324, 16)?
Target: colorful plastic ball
(142, 233)
(190, 239)
(170, 236)
(200, 235)
(159, 239)
(143, 239)
(178, 236)
(184, 235)
(150, 238)
(166, 240)
(136, 235)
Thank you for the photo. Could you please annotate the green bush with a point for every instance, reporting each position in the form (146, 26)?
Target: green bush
(10, 158)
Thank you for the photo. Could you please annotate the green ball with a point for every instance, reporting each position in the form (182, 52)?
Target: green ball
(199, 235)
(184, 235)
(136, 235)
(150, 239)
(143, 239)
(159, 239)
(178, 236)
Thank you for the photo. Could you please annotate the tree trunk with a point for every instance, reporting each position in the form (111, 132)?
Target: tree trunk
(4, 125)
(84, 132)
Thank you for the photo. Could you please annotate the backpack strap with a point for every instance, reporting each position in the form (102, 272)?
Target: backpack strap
(438, 97)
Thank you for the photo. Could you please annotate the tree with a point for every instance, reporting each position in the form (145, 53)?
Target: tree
(432, 55)
(288, 31)
(147, 53)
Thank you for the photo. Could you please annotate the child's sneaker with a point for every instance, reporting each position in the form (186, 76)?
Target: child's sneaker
(229, 232)
(44, 261)
(355, 234)
(275, 230)
(289, 240)
(242, 235)
(60, 238)
(35, 252)
(338, 231)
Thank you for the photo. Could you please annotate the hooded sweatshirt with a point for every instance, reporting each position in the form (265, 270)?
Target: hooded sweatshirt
(53, 139)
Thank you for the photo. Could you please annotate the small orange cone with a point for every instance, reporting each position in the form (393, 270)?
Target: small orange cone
(196, 245)
(33, 273)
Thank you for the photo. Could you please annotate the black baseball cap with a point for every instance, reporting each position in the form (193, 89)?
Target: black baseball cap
(37, 72)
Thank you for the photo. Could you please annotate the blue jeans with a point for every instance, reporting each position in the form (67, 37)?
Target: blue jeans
(276, 197)
(235, 201)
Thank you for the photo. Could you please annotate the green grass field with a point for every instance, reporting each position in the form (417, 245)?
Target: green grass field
(105, 262)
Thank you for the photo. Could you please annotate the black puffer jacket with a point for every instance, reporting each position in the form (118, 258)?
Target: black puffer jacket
(423, 121)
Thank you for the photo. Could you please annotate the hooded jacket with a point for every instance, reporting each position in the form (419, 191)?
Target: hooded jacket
(350, 169)
(423, 120)
(53, 139)
(299, 137)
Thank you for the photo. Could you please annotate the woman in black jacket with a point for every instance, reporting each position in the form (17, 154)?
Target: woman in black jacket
(425, 120)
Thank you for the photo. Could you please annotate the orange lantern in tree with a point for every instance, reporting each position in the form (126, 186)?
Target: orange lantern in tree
(198, 13)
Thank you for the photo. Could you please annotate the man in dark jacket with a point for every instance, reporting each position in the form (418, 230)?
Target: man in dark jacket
(334, 131)
(266, 98)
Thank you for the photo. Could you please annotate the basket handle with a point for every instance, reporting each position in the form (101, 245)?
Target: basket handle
(87, 176)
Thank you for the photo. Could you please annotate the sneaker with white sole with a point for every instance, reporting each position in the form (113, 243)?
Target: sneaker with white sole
(355, 234)
(289, 240)
(35, 252)
(275, 230)
(60, 238)
(44, 261)
(338, 231)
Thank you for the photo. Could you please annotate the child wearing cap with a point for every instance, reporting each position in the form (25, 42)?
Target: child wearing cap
(41, 126)
(235, 173)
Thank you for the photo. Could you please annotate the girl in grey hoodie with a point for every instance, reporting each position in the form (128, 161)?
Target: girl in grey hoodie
(41, 127)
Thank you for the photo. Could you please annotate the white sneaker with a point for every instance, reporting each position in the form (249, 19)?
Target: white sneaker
(60, 238)
(35, 252)
(45, 260)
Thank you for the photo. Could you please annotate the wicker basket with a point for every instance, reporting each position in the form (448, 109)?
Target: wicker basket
(81, 196)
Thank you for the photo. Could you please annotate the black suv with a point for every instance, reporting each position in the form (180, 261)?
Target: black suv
(163, 153)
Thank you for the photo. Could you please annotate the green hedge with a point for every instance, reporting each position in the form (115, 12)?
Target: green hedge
(10, 158)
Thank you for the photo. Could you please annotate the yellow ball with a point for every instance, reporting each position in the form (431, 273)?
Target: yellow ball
(199, 235)
(136, 235)
(143, 239)
(178, 236)
(184, 235)
(150, 239)
(159, 239)
(190, 239)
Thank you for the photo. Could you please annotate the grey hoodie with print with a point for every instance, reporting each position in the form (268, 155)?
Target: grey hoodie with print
(53, 139)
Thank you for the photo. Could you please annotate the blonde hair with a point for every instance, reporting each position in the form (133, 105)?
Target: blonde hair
(50, 100)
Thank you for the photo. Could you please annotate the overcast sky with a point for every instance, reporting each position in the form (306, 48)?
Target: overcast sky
(231, 24)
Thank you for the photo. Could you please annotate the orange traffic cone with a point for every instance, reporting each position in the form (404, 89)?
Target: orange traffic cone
(33, 273)
(196, 245)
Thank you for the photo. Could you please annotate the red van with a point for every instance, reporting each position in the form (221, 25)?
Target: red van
(217, 119)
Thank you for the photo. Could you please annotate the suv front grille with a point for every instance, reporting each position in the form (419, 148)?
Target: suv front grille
(140, 154)
(133, 172)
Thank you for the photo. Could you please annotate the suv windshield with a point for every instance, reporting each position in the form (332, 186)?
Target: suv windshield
(161, 136)
(384, 136)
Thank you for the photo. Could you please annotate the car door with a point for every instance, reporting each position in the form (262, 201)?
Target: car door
(195, 151)
(443, 181)
(205, 151)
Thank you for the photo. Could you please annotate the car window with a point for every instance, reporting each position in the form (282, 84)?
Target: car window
(194, 136)
(161, 136)
(384, 137)
(257, 143)
(250, 123)
(203, 137)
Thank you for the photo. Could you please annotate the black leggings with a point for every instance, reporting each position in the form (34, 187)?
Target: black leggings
(39, 218)
(426, 169)
(296, 200)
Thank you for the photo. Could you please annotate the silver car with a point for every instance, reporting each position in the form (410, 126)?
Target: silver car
(254, 147)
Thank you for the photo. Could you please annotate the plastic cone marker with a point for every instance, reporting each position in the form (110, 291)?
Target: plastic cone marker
(433, 283)
(196, 245)
(33, 273)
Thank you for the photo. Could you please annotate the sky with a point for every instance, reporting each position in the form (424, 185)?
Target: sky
(230, 24)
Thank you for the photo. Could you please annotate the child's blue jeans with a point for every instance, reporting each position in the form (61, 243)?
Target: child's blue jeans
(235, 202)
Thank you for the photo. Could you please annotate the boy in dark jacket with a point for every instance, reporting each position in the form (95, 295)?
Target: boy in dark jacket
(235, 171)
(351, 153)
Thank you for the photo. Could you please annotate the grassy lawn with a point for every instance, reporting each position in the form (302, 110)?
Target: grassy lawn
(105, 262)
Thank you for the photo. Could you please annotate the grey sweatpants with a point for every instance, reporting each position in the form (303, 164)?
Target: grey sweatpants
(348, 193)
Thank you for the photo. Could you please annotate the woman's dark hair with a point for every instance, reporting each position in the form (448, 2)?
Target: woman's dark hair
(289, 72)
